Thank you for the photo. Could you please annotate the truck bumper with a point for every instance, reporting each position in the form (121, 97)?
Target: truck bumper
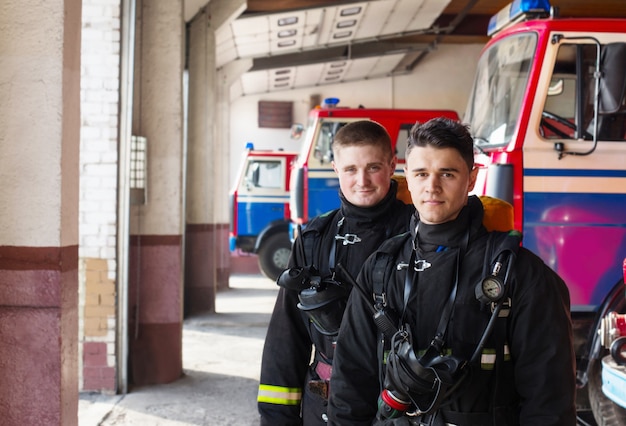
(614, 381)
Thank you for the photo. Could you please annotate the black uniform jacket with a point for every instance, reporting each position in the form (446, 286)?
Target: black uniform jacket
(291, 336)
(536, 384)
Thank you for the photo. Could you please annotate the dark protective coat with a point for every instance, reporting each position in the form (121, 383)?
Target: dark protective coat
(286, 367)
(534, 386)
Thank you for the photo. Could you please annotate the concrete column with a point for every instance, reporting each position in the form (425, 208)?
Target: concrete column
(156, 259)
(39, 150)
(206, 247)
(199, 260)
(226, 75)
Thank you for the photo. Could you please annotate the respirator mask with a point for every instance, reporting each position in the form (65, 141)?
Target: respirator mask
(323, 300)
(417, 383)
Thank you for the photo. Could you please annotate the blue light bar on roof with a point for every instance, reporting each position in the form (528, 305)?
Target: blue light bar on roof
(250, 146)
(330, 102)
(517, 11)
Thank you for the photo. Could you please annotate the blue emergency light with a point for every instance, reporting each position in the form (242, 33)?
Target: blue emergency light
(518, 11)
(330, 102)
(249, 146)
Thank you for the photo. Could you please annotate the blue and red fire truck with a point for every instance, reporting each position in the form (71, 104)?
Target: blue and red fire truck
(548, 115)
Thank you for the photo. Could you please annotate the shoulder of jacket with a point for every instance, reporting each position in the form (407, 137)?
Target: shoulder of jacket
(394, 244)
(320, 222)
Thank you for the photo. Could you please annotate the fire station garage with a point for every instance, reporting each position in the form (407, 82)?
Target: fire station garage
(128, 127)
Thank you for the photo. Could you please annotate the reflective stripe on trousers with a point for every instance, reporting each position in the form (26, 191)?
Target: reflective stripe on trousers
(279, 395)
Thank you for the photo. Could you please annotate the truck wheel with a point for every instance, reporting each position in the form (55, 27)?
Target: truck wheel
(605, 411)
(274, 255)
(618, 350)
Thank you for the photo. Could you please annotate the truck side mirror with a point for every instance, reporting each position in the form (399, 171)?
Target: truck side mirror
(296, 131)
(613, 81)
(252, 176)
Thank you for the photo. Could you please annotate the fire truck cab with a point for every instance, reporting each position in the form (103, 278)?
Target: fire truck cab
(548, 115)
(259, 208)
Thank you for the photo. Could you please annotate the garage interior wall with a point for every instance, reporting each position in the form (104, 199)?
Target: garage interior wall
(442, 80)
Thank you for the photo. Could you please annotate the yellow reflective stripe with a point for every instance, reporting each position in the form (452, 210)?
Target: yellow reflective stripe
(488, 357)
(507, 353)
(279, 395)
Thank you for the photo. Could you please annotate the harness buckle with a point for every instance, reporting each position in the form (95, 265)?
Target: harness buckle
(400, 266)
(380, 300)
(348, 239)
(421, 265)
(506, 308)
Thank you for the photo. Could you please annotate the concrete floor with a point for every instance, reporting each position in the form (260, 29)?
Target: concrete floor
(221, 362)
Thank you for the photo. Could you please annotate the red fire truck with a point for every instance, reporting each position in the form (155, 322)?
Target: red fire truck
(548, 116)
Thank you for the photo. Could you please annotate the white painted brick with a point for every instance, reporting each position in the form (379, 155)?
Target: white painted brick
(107, 252)
(89, 229)
(88, 252)
(100, 63)
(90, 132)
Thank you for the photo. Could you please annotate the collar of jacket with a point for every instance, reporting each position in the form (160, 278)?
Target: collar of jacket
(374, 213)
(449, 234)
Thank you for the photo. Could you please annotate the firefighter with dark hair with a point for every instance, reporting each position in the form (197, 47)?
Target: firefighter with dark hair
(300, 342)
(478, 328)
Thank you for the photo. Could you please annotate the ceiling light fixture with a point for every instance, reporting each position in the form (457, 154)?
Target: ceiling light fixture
(287, 33)
(286, 43)
(342, 34)
(351, 11)
(346, 24)
(287, 21)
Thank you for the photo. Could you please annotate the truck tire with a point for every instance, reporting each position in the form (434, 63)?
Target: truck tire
(274, 255)
(618, 349)
(605, 411)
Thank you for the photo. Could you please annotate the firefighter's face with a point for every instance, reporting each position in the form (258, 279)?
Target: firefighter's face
(364, 174)
(439, 181)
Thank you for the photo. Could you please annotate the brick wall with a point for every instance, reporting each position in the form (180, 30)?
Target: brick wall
(98, 193)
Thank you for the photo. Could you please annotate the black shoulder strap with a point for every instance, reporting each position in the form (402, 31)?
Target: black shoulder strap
(498, 244)
(508, 245)
(313, 229)
(501, 248)
(384, 257)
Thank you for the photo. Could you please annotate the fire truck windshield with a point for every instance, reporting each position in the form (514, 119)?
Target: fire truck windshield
(499, 87)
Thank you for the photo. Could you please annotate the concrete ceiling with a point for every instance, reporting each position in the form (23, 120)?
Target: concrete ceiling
(304, 43)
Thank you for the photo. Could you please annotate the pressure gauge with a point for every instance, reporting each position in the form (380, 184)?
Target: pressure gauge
(491, 289)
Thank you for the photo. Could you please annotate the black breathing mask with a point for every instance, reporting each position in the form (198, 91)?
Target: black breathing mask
(417, 383)
(323, 300)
